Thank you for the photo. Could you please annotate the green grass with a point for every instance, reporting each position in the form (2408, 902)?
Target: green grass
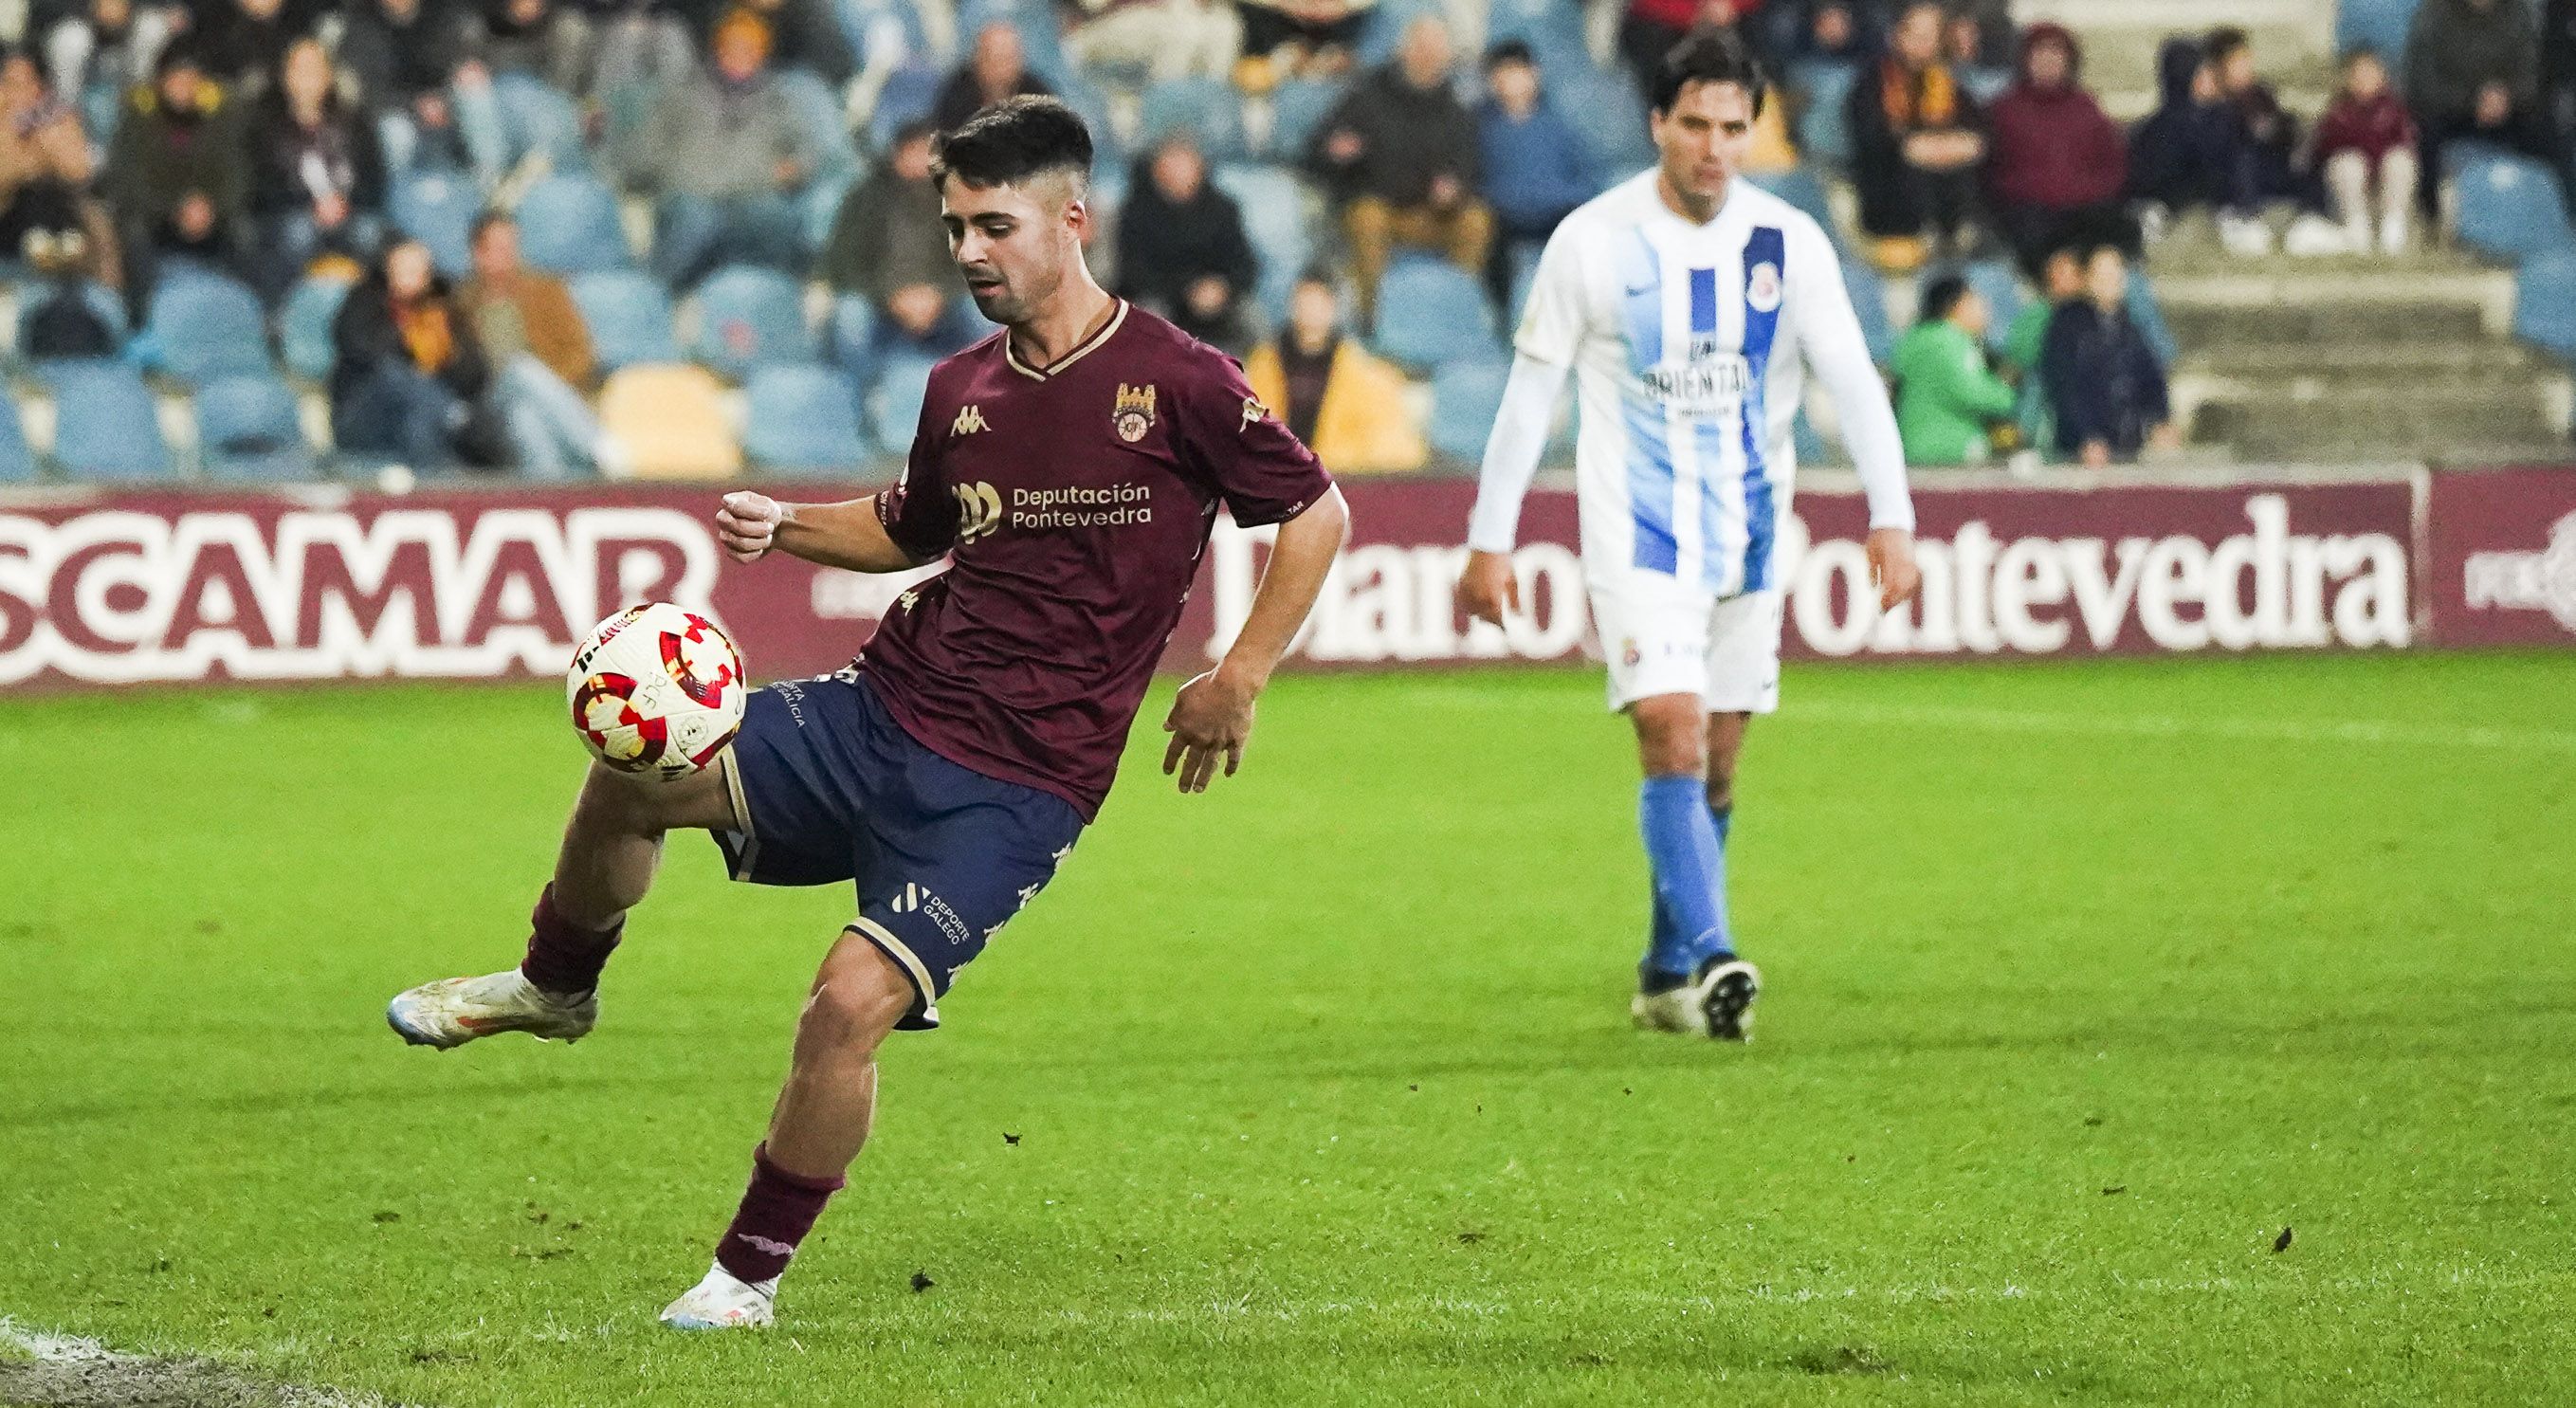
(2084, 983)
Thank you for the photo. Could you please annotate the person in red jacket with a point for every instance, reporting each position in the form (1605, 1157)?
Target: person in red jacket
(2056, 163)
(2365, 149)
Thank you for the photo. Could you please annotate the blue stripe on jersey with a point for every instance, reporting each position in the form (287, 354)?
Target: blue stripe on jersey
(1760, 324)
(1708, 434)
(1650, 452)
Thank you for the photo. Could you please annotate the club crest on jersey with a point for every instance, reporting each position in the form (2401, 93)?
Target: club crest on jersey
(1762, 287)
(1134, 413)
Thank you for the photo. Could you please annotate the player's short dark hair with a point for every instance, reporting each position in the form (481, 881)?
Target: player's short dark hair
(1711, 54)
(1012, 141)
(1940, 297)
(2223, 42)
(1509, 51)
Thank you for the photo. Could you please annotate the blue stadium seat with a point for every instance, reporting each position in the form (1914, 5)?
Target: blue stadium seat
(304, 327)
(1466, 397)
(802, 417)
(1802, 188)
(629, 316)
(2510, 208)
(1107, 149)
(202, 325)
(851, 339)
(537, 117)
(2149, 316)
(1297, 108)
(1995, 282)
(1824, 129)
(1524, 273)
(1274, 219)
(1552, 29)
(2381, 24)
(1382, 29)
(1207, 109)
(106, 304)
(750, 317)
(106, 423)
(1605, 111)
(439, 209)
(1869, 303)
(2544, 308)
(827, 125)
(890, 27)
(248, 428)
(908, 93)
(1041, 35)
(1431, 313)
(568, 224)
(894, 407)
(17, 462)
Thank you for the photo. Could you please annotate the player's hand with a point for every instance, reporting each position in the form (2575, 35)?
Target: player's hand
(1211, 719)
(1488, 586)
(1891, 567)
(747, 524)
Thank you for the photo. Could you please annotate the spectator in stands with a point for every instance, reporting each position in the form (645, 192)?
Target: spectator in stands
(2060, 166)
(807, 34)
(1917, 145)
(1304, 38)
(317, 181)
(2365, 150)
(2558, 75)
(727, 155)
(410, 377)
(1831, 31)
(888, 246)
(2262, 166)
(2061, 280)
(544, 39)
(1947, 398)
(2473, 71)
(1977, 59)
(538, 348)
(1163, 39)
(1181, 247)
(1399, 151)
(2180, 155)
(1346, 405)
(176, 178)
(1536, 169)
(1648, 30)
(403, 53)
(45, 167)
(109, 43)
(2105, 385)
(998, 69)
(245, 40)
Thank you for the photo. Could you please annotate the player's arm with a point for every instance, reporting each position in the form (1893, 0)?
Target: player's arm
(1829, 336)
(850, 534)
(1211, 718)
(1488, 585)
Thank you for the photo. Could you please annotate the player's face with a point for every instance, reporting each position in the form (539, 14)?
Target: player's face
(1704, 139)
(1013, 243)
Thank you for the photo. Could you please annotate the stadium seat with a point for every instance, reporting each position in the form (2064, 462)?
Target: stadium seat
(750, 317)
(537, 117)
(568, 224)
(202, 325)
(101, 301)
(1383, 29)
(1274, 219)
(248, 427)
(1824, 131)
(2544, 308)
(850, 342)
(629, 316)
(1605, 111)
(1552, 29)
(894, 407)
(17, 462)
(304, 326)
(2381, 24)
(106, 422)
(802, 417)
(1207, 109)
(908, 93)
(1869, 303)
(2510, 208)
(669, 420)
(1524, 273)
(1041, 34)
(1431, 313)
(827, 125)
(1996, 283)
(2149, 315)
(1802, 188)
(438, 209)
(1297, 108)
(1108, 151)
(1466, 397)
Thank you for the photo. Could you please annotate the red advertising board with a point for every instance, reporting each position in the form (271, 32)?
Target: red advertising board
(2500, 565)
(322, 584)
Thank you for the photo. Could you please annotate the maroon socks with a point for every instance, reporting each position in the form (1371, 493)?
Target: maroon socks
(564, 959)
(777, 1210)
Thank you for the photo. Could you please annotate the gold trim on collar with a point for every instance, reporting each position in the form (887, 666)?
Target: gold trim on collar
(1011, 351)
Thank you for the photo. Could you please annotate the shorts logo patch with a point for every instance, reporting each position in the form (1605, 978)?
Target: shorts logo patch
(1628, 653)
(1134, 413)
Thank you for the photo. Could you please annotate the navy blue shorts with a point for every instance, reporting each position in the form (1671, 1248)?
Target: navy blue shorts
(833, 789)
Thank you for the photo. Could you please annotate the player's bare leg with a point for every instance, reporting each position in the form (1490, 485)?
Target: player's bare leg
(819, 1125)
(1691, 980)
(611, 847)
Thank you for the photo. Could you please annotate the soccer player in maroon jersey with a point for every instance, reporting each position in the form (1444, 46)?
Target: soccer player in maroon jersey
(1070, 467)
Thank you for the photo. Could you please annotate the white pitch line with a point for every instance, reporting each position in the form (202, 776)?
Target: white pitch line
(51, 1348)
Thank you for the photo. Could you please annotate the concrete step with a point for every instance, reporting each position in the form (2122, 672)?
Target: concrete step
(2203, 326)
(2407, 426)
(2275, 362)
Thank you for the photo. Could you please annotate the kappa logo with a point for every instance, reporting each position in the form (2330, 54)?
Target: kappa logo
(1134, 413)
(1253, 414)
(979, 509)
(969, 420)
(910, 900)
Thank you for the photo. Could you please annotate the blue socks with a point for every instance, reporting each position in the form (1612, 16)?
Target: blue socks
(1685, 846)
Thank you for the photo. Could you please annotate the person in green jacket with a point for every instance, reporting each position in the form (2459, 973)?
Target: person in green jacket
(1945, 394)
(2060, 278)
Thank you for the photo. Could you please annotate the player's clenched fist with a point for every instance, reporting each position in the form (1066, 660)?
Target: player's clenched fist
(747, 524)
(1488, 587)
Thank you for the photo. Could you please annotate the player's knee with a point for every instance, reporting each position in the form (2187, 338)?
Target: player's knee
(855, 1003)
(1669, 743)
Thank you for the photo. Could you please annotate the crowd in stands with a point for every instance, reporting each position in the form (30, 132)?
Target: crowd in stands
(487, 234)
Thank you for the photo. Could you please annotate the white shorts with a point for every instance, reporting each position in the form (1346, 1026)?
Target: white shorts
(1662, 637)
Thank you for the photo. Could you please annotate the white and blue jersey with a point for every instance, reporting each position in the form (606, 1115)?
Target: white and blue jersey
(1689, 344)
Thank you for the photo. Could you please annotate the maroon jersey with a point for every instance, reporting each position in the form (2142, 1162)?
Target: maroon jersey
(1075, 503)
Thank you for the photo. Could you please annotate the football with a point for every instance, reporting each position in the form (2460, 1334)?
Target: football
(656, 690)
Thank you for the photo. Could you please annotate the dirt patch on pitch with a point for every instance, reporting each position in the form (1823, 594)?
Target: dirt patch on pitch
(76, 1374)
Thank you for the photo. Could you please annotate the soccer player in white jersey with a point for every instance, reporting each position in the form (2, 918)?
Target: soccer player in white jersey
(1683, 301)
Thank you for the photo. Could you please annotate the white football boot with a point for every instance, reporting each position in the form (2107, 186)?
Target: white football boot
(723, 1301)
(1716, 1003)
(454, 1011)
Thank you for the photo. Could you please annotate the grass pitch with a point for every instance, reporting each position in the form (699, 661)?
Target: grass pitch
(2085, 983)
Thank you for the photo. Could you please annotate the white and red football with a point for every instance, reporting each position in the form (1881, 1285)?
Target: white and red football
(656, 690)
